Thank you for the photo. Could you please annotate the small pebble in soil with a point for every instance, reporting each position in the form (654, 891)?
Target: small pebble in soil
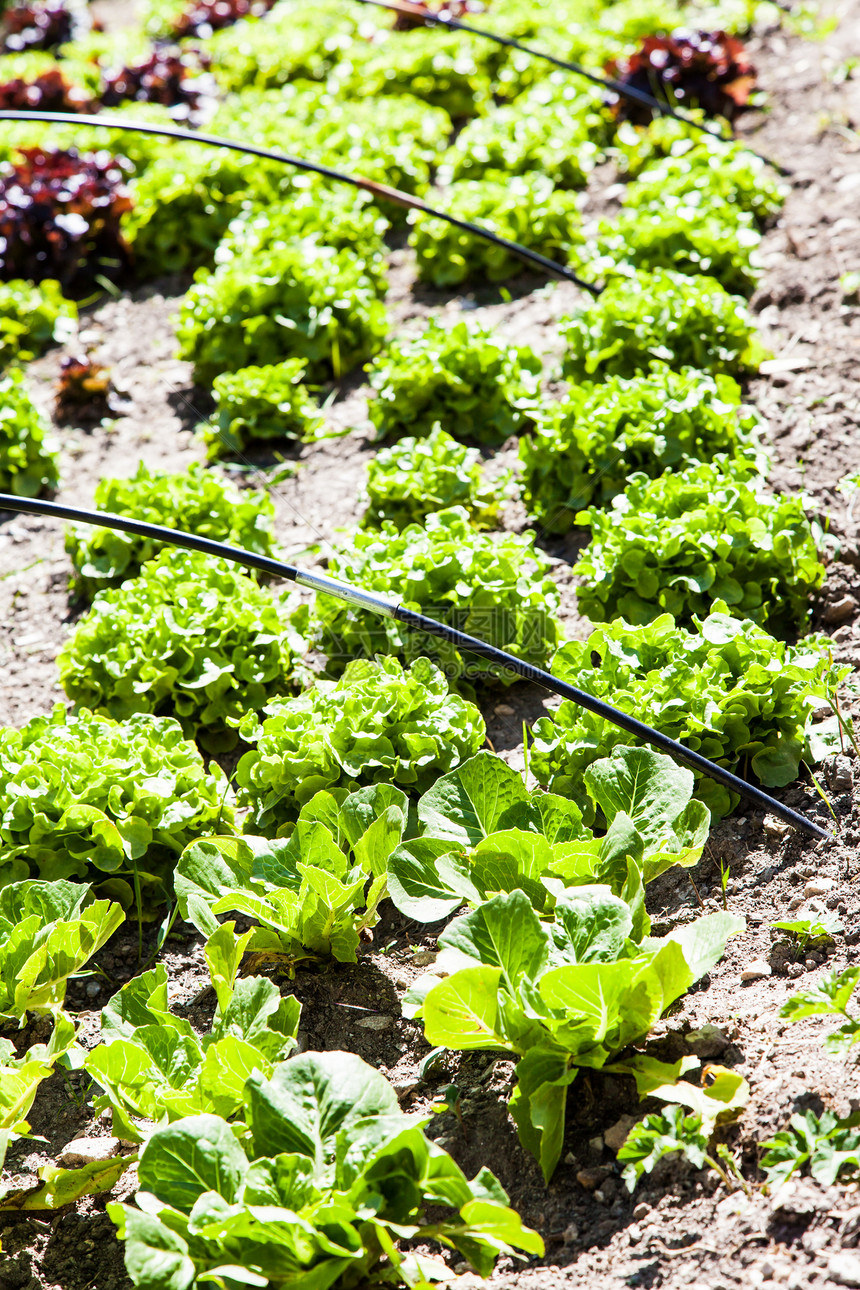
(93, 989)
(844, 1269)
(795, 969)
(755, 970)
(818, 887)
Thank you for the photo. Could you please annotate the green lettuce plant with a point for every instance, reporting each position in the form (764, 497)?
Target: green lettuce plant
(190, 638)
(476, 386)
(260, 403)
(558, 994)
(195, 501)
(304, 301)
(312, 894)
(398, 148)
(726, 689)
(288, 44)
(83, 796)
(28, 460)
(681, 542)
(415, 477)
(738, 177)
(525, 208)
(588, 444)
(153, 1066)
(692, 233)
(494, 586)
(448, 70)
(32, 317)
(48, 932)
(680, 320)
(481, 834)
(328, 1176)
(380, 723)
(524, 137)
(825, 1144)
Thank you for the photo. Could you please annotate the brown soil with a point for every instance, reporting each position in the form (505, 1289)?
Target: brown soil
(680, 1228)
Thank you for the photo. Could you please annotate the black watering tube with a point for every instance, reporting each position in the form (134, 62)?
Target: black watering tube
(377, 190)
(375, 604)
(425, 17)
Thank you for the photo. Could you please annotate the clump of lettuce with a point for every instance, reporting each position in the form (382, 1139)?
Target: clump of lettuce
(153, 1066)
(475, 385)
(739, 178)
(380, 723)
(588, 444)
(340, 218)
(32, 317)
(260, 403)
(327, 1177)
(447, 70)
(290, 43)
(191, 638)
(195, 501)
(524, 208)
(725, 689)
(661, 314)
(495, 586)
(692, 233)
(552, 139)
(83, 796)
(480, 833)
(415, 477)
(300, 301)
(558, 995)
(48, 932)
(398, 148)
(312, 893)
(28, 460)
(681, 542)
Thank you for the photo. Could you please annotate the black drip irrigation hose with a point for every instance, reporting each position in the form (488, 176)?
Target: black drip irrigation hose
(425, 17)
(377, 190)
(367, 600)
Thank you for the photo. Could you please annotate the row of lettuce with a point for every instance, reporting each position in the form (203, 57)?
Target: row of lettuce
(370, 781)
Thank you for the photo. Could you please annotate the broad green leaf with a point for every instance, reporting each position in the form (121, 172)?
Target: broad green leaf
(703, 942)
(208, 869)
(590, 925)
(653, 790)
(480, 797)
(182, 1161)
(414, 883)
(310, 1100)
(64, 1186)
(156, 1257)
(462, 1011)
(504, 932)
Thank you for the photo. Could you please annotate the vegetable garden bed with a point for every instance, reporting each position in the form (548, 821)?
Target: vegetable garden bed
(684, 1225)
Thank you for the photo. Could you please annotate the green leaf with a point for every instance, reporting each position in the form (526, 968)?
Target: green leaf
(482, 796)
(182, 1161)
(414, 883)
(310, 1100)
(828, 996)
(156, 1257)
(504, 932)
(462, 1011)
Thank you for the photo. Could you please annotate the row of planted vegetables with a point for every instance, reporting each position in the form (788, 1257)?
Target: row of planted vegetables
(362, 773)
